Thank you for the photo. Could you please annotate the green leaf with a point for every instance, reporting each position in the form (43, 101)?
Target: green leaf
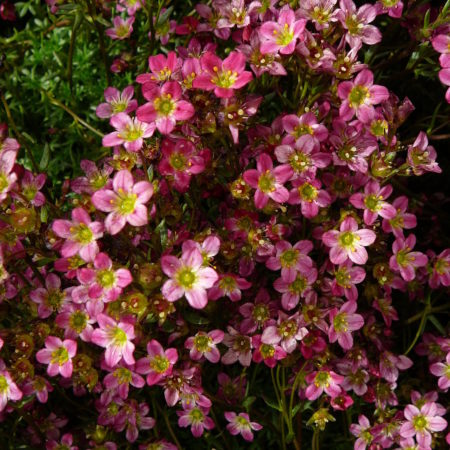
(432, 318)
(248, 402)
(271, 403)
(196, 318)
(45, 157)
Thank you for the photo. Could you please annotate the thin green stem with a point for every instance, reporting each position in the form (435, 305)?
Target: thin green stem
(425, 313)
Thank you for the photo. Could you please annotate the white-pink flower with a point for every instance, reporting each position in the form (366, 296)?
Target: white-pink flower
(125, 203)
(58, 355)
(8, 389)
(188, 277)
(204, 345)
(342, 323)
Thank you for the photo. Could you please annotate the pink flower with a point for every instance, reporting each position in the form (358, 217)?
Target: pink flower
(304, 129)
(282, 35)
(299, 287)
(188, 277)
(302, 157)
(440, 270)
(125, 203)
(129, 132)
(421, 423)
(103, 281)
(7, 161)
(402, 220)
(65, 443)
(287, 332)
(222, 76)
(390, 364)
(31, 185)
(239, 348)
(51, 298)
(422, 157)
(310, 197)
(442, 370)
(180, 160)
(240, 424)
(343, 322)
(228, 285)
(323, 381)
(404, 260)
(345, 278)
(269, 353)
(291, 259)
(362, 431)
(197, 418)
(117, 102)
(162, 67)
(159, 362)
(81, 235)
(356, 21)
(75, 321)
(58, 355)
(204, 345)
(394, 8)
(349, 242)
(116, 337)
(8, 389)
(359, 96)
(268, 181)
(372, 202)
(122, 28)
(164, 107)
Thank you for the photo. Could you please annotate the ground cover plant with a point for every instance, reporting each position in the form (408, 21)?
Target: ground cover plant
(224, 224)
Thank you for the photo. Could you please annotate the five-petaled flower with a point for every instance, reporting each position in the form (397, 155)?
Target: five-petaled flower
(58, 355)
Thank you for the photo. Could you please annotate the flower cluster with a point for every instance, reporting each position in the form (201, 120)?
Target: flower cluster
(244, 252)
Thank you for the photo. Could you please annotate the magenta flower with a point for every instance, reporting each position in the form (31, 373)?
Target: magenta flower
(50, 298)
(282, 35)
(120, 379)
(117, 102)
(8, 389)
(268, 181)
(342, 323)
(323, 381)
(197, 418)
(422, 157)
(228, 285)
(390, 364)
(125, 203)
(372, 202)
(180, 160)
(404, 260)
(394, 8)
(310, 197)
(159, 362)
(291, 259)
(204, 345)
(402, 220)
(65, 443)
(58, 355)
(188, 277)
(81, 235)
(122, 28)
(442, 370)
(116, 337)
(359, 96)
(129, 132)
(165, 107)
(75, 321)
(162, 68)
(356, 22)
(270, 354)
(345, 278)
(222, 76)
(349, 242)
(421, 423)
(241, 424)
